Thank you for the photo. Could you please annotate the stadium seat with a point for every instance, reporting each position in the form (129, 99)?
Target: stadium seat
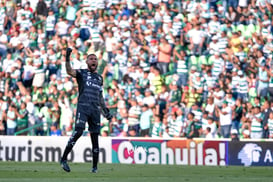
(257, 28)
(171, 67)
(203, 60)
(193, 61)
(168, 79)
(210, 60)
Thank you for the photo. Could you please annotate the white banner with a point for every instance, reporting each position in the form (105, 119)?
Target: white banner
(50, 149)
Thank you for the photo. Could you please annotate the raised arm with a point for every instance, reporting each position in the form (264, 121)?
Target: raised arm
(68, 67)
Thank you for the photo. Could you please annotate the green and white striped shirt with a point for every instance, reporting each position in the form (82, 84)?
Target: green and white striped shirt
(218, 66)
(243, 85)
(182, 66)
(157, 129)
(270, 125)
(95, 34)
(50, 23)
(242, 55)
(222, 44)
(255, 125)
(235, 83)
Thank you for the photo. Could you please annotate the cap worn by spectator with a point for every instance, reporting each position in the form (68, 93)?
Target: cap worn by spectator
(148, 90)
(153, 41)
(234, 132)
(194, 68)
(214, 38)
(197, 74)
(225, 102)
(240, 73)
(36, 53)
(186, 88)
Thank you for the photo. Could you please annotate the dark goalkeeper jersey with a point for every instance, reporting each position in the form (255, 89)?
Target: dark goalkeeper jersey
(90, 90)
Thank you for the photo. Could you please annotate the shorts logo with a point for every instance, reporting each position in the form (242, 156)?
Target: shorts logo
(79, 120)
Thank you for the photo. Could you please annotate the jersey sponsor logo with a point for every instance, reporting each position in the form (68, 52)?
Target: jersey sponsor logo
(92, 84)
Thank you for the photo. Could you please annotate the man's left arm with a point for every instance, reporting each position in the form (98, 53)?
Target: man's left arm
(104, 110)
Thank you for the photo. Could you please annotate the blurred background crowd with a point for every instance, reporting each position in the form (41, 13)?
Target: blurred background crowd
(171, 68)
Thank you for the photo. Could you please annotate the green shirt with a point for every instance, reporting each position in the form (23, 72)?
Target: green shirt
(23, 122)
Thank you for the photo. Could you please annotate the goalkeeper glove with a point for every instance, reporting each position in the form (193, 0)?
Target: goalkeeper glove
(108, 115)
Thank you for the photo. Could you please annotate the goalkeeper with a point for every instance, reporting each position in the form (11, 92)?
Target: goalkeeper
(90, 105)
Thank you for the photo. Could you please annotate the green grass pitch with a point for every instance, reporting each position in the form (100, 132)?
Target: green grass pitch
(52, 172)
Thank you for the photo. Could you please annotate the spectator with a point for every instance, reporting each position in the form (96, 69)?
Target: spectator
(237, 112)
(266, 110)
(134, 113)
(116, 127)
(256, 124)
(11, 119)
(157, 127)
(270, 124)
(225, 119)
(164, 56)
(234, 135)
(193, 129)
(145, 120)
(149, 98)
(22, 121)
(197, 39)
(54, 131)
(41, 10)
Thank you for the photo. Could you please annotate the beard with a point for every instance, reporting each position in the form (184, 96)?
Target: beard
(92, 68)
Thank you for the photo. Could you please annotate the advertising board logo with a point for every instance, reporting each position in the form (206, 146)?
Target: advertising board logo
(251, 152)
(179, 152)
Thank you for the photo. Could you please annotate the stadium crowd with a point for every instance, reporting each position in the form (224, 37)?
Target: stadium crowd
(171, 68)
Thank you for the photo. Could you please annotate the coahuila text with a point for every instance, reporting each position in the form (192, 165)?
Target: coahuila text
(164, 155)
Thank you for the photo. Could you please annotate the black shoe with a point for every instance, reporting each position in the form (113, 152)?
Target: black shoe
(94, 170)
(65, 165)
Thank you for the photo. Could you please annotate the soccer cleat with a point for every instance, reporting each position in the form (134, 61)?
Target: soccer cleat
(94, 170)
(65, 165)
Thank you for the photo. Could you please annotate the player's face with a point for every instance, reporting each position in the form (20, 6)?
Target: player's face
(92, 63)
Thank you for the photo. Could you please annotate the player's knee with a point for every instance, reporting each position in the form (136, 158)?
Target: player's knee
(78, 132)
(75, 136)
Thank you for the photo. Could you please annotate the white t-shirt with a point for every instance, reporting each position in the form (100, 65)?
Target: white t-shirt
(221, 94)
(110, 43)
(227, 118)
(28, 72)
(210, 108)
(7, 64)
(149, 100)
(14, 41)
(62, 28)
(196, 36)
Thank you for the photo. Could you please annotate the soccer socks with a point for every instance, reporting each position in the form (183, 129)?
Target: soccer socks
(95, 149)
(71, 142)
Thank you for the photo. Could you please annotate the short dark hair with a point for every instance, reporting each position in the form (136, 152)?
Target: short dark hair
(91, 55)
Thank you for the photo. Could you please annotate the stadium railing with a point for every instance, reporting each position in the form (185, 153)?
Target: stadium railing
(33, 128)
